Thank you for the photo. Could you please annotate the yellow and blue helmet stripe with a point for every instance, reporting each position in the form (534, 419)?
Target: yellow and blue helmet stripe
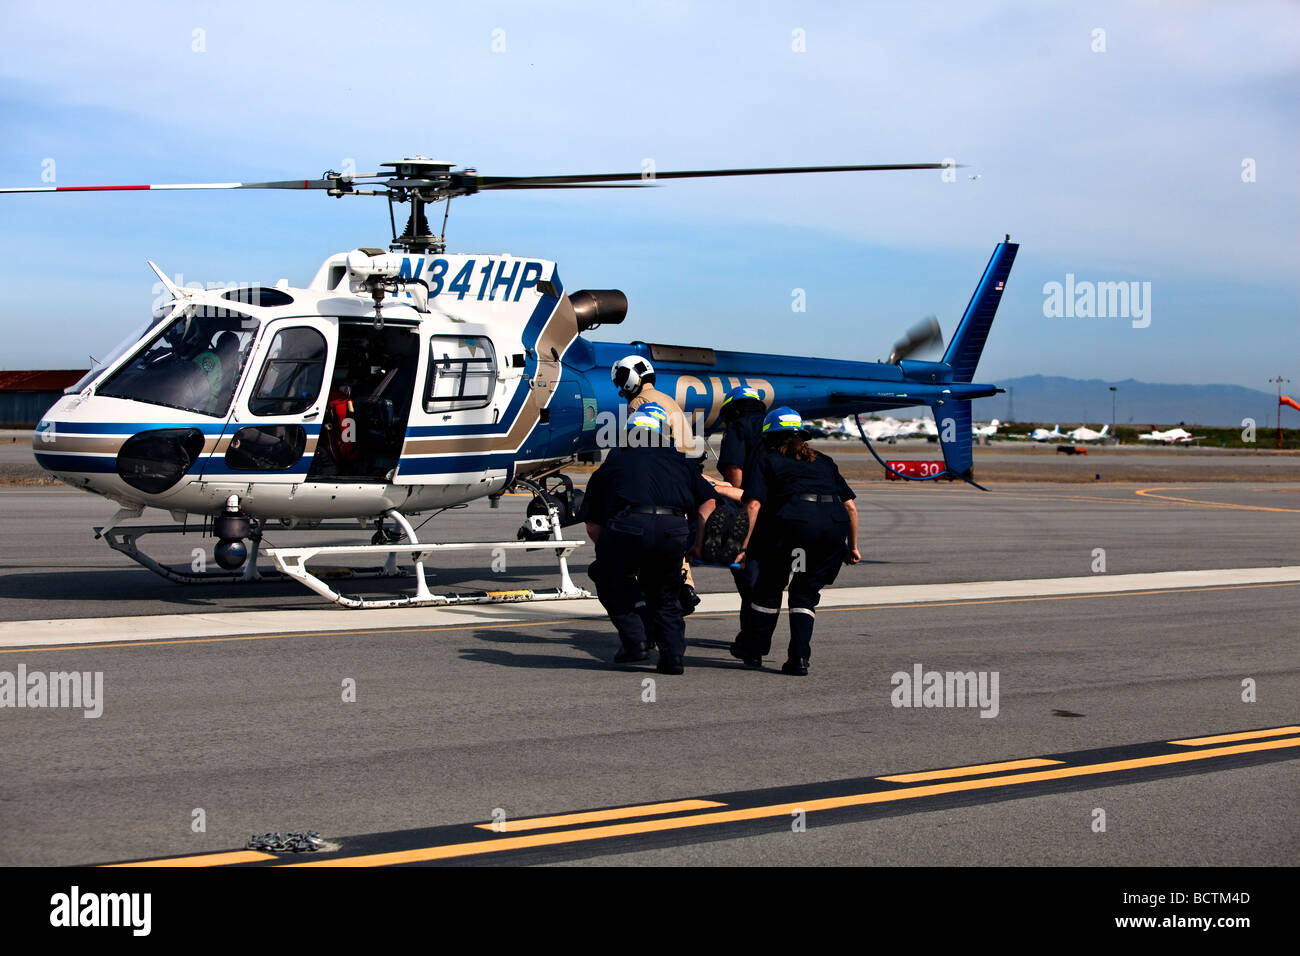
(654, 409)
(741, 392)
(783, 419)
(649, 416)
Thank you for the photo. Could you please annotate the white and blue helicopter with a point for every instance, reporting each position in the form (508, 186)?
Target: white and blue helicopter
(408, 380)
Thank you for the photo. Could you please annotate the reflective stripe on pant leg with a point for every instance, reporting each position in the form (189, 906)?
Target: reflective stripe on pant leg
(801, 631)
(805, 594)
(757, 636)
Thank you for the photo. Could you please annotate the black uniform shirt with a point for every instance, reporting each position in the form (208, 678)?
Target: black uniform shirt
(773, 480)
(739, 442)
(650, 475)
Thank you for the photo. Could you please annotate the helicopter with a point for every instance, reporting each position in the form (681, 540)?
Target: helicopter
(409, 380)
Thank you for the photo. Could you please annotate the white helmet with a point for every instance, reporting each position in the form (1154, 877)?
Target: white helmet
(629, 373)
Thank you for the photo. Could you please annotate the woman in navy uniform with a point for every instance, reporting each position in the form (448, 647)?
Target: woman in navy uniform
(742, 418)
(636, 506)
(802, 519)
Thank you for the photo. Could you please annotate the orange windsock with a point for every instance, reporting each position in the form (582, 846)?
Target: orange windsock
(1284, 400)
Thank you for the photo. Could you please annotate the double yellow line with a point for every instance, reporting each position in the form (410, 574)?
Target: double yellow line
(588, 834)
(635, 820)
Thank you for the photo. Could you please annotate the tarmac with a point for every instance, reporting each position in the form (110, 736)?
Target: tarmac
(1144, 640)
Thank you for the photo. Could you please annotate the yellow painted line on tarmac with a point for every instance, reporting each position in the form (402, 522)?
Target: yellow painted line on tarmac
(588, 834)
(1151, 493)
(1144, 493)
(970, 771)
(599, 816)
(549, 622)
(205, 859)
(1229, 738)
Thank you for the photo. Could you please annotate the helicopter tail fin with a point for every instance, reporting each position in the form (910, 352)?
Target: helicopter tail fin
(967, 343)
(953, 419)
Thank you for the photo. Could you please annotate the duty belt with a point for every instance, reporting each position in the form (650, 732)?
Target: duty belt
(656, 510)
(819, 499)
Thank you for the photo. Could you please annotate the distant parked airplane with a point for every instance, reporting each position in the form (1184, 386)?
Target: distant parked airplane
(1084, 433)
(1042, 434)
(987, 431)
(1169, 437)
(885, 429)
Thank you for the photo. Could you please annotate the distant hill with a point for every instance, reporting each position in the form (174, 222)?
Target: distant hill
(1040, 398)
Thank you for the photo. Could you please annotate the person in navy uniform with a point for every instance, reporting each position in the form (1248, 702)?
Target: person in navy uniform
(634, 377)
(635, 507)
(803, 520)
(742, 419)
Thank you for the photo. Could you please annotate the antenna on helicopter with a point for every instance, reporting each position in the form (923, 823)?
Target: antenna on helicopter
(421, 181)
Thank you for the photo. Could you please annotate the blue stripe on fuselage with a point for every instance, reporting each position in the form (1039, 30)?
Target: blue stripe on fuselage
(90, 464)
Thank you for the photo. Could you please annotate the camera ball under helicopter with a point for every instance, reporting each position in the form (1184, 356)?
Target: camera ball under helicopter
(230, 554)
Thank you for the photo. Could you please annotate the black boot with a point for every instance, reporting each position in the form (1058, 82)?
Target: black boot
(670, 663)
(795, 667)
(742, 653)
(632, 654)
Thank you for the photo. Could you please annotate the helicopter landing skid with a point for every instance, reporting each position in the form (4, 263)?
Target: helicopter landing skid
(293, 562)
(124, 539)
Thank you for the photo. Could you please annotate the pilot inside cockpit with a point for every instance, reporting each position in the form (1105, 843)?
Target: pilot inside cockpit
(219, 367)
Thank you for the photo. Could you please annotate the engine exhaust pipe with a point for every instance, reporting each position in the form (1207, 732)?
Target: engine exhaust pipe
(597, 307)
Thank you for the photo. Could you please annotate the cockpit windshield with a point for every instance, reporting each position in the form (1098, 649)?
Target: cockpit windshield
(122, 347)
(193, 363)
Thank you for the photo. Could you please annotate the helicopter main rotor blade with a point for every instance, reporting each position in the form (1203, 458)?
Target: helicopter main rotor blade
(281, 184)
(467, 182)
(572, 185)
(518, 182)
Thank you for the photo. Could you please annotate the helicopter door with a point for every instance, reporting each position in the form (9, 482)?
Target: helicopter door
(273, 433)
(369, 403)
(457, 433)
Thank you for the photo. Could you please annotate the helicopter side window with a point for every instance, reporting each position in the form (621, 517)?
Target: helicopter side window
(462, 373)
(291, 376)
(193, 363)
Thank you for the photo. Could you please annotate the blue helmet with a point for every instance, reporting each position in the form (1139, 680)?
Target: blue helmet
(655, 410)
(783, 419)
(649, 416)
(740, 400)
(741, 392)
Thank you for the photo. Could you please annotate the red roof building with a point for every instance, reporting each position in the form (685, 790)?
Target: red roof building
(40, 380)
(26, 396)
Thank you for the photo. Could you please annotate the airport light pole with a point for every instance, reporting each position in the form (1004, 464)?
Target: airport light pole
(1279, 380)
(1113, 434)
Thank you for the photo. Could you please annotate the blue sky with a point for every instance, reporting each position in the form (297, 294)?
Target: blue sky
(1122, 165)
